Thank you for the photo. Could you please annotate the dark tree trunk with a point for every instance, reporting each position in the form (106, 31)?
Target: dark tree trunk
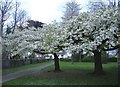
(56, 62)
(118, 59)
(98, 63)
(2, 24)
(81, 55)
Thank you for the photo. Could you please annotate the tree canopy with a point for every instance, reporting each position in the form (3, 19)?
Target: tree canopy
(94, 31)
(88, 31)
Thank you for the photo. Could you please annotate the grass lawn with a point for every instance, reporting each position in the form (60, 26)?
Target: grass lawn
(72, 74)
(14, 69)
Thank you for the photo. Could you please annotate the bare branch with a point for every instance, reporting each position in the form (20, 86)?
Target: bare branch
(5, 8)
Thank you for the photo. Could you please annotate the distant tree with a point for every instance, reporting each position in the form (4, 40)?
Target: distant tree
(93, 6)
(15, 15)
(5, 9)
(23, 18)
(71, 9)
(11, 15)
(112, 3)
(36, 24)
(19, 16)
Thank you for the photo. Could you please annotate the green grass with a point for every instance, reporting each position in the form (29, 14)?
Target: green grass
(15, 69)
(72, 74)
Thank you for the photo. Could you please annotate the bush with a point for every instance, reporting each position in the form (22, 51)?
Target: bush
(112, 59)
(65, 59)
(76, 57)
(34, 61)
(104, 60)
(19, 62)
(12, 63)
(88, 59)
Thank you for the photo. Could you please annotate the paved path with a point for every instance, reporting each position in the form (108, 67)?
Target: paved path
(22, 73)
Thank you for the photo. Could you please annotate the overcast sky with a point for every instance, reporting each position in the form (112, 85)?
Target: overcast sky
(47, 10)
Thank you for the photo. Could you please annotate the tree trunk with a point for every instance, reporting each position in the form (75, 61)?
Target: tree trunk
(98, 64)
(118, 59)
(81, 57)
(2, 24)
(56, 62)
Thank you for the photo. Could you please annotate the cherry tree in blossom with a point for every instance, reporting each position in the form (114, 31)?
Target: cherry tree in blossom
(48, 39)
(94, 32)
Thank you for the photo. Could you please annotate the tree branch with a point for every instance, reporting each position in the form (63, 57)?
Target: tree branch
(41, 51)
(114, 48)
